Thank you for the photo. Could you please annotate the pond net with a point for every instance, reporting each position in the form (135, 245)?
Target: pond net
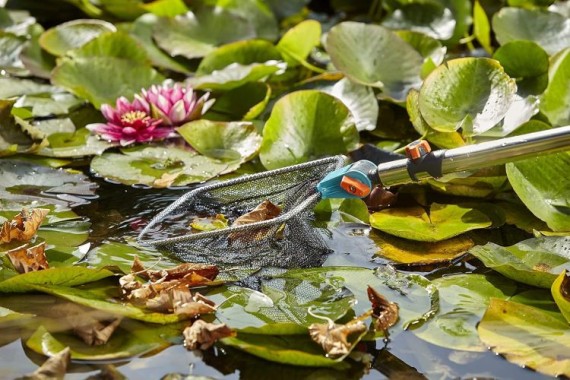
(288, 240)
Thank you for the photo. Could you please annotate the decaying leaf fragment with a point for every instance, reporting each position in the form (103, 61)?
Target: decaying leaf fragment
(28, 259)
(265, 211)
(202, 335)
(185, 270)
(209, 223)
(23, 226)
(334, 337)
(53, 368)
(384, 312)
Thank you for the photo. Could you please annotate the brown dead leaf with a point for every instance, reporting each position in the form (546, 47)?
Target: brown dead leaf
(384, 312)
(23, 226)
(265, 211)
(28, 259)
(180, 271)
(53, 368)
(333, 337)
(202, 335)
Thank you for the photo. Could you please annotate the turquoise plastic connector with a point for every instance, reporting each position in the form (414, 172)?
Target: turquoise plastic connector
(363, 171)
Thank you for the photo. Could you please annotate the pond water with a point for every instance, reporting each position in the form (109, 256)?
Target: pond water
(119, 213)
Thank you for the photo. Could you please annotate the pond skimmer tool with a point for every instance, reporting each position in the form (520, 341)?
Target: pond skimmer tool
(289, 239)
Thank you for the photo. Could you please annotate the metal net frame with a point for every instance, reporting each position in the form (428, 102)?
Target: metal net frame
(288, 240)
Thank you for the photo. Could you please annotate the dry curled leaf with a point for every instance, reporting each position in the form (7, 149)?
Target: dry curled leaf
(202, 335)
(333, 337)
(23, 226)
(53, 368)
(28, 259)
(180, 271)
(265, 211)
(384, 312)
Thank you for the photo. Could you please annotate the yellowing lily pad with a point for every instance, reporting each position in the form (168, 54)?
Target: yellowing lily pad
(561, 293)
(527, 336)
(442, 222)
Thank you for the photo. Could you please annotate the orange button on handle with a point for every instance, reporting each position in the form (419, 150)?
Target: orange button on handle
(355, 187)
(417, 149)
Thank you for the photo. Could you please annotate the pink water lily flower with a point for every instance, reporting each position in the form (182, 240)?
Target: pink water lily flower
(176, 104)
(130, 122)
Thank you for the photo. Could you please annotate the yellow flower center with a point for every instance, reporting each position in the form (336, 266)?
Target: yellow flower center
(132, 116)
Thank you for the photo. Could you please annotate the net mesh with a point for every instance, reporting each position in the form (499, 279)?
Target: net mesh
(289, 240)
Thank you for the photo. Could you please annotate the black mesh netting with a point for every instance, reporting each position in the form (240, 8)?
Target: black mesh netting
(288, 240)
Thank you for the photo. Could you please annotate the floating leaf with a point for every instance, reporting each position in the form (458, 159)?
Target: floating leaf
(236, 75)
(294, 132)
(79, 143)
(90, 71)
(360, 100)
(463, 299)
(65, 276)
(28, 258)
(555, 101)
(333, 337)
(483, 183)
(526, 336)
(442, 222)
(430, 49)
(374, 56)
(148, 164)
(473, 94)
(242, 52)
(245, 102)
(527, 63)
(535, 261)
(14, 87)
(297, 43)
(384, 312)
(73, 34)
(430, 18)
(11, 47)
(12, 138)
(482, 27)
(234, 141)
(549, 30)
(408, 252)
(561, 293)
(202, 335)
(23, 226)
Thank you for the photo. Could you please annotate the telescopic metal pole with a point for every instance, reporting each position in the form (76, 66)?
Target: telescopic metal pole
(476, 156)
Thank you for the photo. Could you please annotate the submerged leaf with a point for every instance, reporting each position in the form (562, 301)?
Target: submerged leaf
(202, 335)
(334, 337)
(28, 259)
(53, 368)
(23, 226)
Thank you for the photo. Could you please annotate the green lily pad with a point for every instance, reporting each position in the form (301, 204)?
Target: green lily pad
(527, 63)
(283, 306)
(298, 42)
(79, 143)
(91, 71)
(64, 276)
(9, 318)
(526, 336)
(127, 341)
(555, 102)
(442, 222)
(538, 183)
(473, 94)
(430, 49)
(159, 166)
(483, 183)
(25, 182)
(354, 210)
(360, 100)
(11, 47)
(561, 293)
(482, 27)
(13, 87)
(535, 261)
(13, 139)
(295, 133)
(73, 34)
(430, 18)
(540, 299)
(166, 8)
(236, 75)
(196, 34)
(259, 15)
(246, 102)
(297, 350)
(549, 30)
(51, 105)
(234, 141)
(462, 302)
(374, 56)
(242, 52)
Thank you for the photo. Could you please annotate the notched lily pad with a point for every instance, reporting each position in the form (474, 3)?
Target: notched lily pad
(73, 34)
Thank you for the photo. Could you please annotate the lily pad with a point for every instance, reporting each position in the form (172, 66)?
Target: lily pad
(246, 102)
(561, 293)
(91, 71)
(73, 34)
(159, 166)
(64, 276)
(298, 42)
(9, 318)
(527, 63)
(409, 252)
(430, 49)
(25, 182)
(442, 222)
(549, 30)
(360, 100)
(196, 34)
(430, 18)
(242, 52)
(236, 75)
(295, 133)
(535, 261)
(127, 341)
(78, 143)
(11, 47)
(483, 183)
(473, 94)
(51, 105)
(462, 302)
(555, 102)
(12, 87)
(13, 139)
(374, 56)
(234, 141)
(526, 336)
